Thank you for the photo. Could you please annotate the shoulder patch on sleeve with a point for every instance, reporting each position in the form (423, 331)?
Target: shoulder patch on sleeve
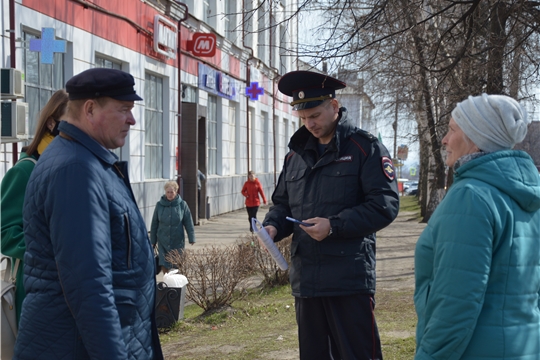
(367, 135)
(388, 168)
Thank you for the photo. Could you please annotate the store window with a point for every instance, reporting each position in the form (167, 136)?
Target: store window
(212, 140)
(41, 80)
(153, 125)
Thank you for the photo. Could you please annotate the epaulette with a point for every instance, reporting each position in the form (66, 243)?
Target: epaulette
(366, 134)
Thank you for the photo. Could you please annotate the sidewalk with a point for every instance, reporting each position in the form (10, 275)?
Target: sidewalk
(225, 229)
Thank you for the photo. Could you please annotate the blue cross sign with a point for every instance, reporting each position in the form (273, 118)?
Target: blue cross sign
(47, 45)
(253, 91)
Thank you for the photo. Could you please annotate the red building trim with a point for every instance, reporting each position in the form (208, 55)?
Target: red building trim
(104, 25)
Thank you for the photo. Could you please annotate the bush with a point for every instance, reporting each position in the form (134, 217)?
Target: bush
(265, 264)
(217, 276)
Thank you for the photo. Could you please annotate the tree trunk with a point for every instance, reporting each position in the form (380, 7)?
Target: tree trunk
(438, 168)
(497, 41)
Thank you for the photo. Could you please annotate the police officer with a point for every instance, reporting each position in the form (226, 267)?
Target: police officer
(341, 181)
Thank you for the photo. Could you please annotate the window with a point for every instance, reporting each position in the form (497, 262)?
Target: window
(207, 12)
(189, 94)
(255, 141)
(265, 156)
(153, 124)
(242, 138)
(287, 137)
(233, 160)
(262, 32)
(41, 80)
(212, 135)
(110, 64)
(231, 25)
(282, 49)
(248, 23)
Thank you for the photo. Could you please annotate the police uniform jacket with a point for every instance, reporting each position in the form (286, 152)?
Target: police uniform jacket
(89, 266)
(353, 185)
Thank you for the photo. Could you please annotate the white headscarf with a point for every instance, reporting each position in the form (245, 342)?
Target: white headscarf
(492, 122)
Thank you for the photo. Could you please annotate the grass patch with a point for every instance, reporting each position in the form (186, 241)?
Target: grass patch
(263, 326)
(409, 203)
(396, 319)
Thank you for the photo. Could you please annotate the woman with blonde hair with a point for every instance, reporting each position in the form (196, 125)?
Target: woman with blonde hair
(14, 183)
(171, 217)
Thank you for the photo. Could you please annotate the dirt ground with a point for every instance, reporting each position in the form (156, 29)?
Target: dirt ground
(395, 252)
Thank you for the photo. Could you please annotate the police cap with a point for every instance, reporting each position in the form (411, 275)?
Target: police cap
(101, 82)
(309, 89)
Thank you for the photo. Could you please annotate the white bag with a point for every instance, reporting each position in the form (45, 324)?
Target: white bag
(9, 315)
(175, 280)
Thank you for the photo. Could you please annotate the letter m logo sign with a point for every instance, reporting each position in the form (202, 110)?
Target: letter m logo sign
(202, 44)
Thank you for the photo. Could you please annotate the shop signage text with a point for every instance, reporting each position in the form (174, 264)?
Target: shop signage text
(217, 83)
(165, 36)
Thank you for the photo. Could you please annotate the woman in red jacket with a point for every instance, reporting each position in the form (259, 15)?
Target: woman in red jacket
(251, 190)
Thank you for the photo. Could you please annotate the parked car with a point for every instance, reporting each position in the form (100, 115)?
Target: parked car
(410, 188)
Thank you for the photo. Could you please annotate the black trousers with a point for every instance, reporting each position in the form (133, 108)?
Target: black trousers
(338, 327)
(252, 213)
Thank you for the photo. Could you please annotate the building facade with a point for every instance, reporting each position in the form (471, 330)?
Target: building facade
(207, 71)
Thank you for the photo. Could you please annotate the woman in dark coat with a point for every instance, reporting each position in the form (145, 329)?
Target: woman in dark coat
(171, 216)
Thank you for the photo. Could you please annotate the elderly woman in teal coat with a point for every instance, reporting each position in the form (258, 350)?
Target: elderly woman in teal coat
(477, 263)
(171, 217)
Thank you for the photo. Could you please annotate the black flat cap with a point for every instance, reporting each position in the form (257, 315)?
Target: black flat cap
(309, 89)
(101, 82)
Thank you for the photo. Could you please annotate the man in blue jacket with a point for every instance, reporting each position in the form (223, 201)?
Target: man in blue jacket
(341, 181)
(89, 265)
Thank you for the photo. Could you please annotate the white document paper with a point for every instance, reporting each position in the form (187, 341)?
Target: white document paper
(269, 244)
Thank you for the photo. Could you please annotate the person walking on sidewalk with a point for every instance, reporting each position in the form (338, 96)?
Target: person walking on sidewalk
(89, 271)
(251, 190)
(341, 180)
(171, 217)
(477, 263)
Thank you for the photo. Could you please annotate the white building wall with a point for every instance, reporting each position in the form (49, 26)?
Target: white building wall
(79, 58)
(223, 188)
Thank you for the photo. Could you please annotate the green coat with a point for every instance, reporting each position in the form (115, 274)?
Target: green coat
(12, 192)
(168, 223)
(477, 264)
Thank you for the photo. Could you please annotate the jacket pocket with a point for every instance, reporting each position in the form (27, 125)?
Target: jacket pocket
(342, 268)
(128, 240)
(126, 305)
(341, 184)
(295, 182)
(121, 242)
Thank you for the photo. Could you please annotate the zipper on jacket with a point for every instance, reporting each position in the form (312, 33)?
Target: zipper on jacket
(128, 235)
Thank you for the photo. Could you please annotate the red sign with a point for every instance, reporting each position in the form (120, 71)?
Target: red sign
(402, 152)
(202, 44)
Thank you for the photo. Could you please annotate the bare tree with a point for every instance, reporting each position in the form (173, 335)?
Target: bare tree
(422, 57)
(431, 55)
